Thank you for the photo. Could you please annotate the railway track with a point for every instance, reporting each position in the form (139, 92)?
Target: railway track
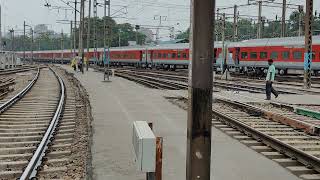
(289, 146)
(178, 80)
(37, 131)
(17, 70)
(152, 80)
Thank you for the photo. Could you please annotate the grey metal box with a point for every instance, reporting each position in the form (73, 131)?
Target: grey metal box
(144, 144)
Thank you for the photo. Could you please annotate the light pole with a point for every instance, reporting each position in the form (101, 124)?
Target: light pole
(107, 31)
(88, 36)
(24, 39)
(12, 44)
(119, 37)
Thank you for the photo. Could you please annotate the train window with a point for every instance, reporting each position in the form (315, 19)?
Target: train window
(164, 55)
(285, 55)
(159, 55)
(253, 55)
(174, 55)
(297, 55)
(244, 55)
(274, 55)
(154, 55)
(184, 55)
(263, 55)
(179, 55)
(169, 55)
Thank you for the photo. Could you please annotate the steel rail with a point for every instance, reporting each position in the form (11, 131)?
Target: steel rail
(306, 159)
(20, 95)
(31, 170)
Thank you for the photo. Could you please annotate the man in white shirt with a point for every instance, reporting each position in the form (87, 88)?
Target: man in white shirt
(269, 80)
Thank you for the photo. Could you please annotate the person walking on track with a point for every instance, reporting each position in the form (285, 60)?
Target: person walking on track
(269, 80)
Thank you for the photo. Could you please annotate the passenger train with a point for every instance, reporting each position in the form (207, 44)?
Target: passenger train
(246, 56)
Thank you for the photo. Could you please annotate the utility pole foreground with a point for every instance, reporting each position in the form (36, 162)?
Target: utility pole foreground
(308, 44)
(200, 90)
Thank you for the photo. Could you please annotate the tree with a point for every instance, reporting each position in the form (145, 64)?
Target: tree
(184, 35)
(247, 29)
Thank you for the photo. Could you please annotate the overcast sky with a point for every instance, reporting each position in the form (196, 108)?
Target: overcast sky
(145, 12)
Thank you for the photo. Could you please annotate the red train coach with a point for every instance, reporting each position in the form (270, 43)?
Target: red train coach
(245, 56)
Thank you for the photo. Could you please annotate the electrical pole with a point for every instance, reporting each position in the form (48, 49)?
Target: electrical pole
(88, 36)
(75, 27)
(71, 35)
(1, 44)
(62, 46)
(137, 27)
(107, 32)
(12, 44)
(24, 41)
(95, 14)
(109, 37)
(235, 23)
(223, 34)
(81, 37)
(119, 37)
(105, 39)
(161, 18)
(283, 24)
(200, 90)
(259, 20)
(217, 28)
(32, 41)
(300, 20)
(308, 44)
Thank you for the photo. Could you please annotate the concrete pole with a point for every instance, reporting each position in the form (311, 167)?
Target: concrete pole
(12, 45)
(95, 11)
(283, 20)
(300, 21)
(1, 44)
(223, 38)
(71, 35)
(200, 90)
(308, 44)
(105, 40)
(119, 37)
(88, 35)
(217, 28)
(32, 41)
(109, 38)
(259, 20)
(75, 27)
(62, 46)
(24, 41)
(235, 23)
(81, 37)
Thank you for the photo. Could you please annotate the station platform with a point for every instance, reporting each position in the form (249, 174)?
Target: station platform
(116, 104)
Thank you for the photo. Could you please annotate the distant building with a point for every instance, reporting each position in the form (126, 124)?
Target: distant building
(148, 33)
(132, 43)
(41, 28)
